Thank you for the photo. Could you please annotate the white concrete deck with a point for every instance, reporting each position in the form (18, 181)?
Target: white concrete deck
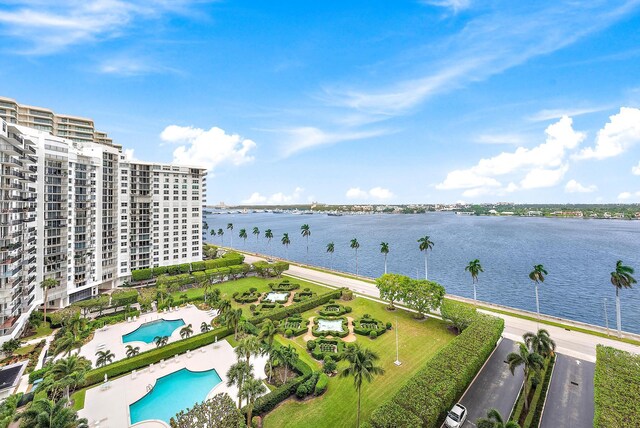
(110, 337)
(109, 408)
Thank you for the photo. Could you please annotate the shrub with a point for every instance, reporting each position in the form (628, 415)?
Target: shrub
(389, 325)
(197, 266)
(302, 390)
(269, 401)
(124, 297)
(321, 385)
(348, 309)
(427, 396)
(365, 325)
(311, 345)
(332, 310)
(308, 386)
(296, 308)
(616, 388)
(141, 274)
(285, 285)
(347, 295)
(373, 334)
(343, 333)
(173, 270)
(288, 332)
(329, 365)
(457, 313)
(160, 270)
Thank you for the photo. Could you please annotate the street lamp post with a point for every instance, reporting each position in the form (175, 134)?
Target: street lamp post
(606, 318)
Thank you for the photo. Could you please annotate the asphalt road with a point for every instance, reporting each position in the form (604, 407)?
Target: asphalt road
(494, 387)
(570, 397)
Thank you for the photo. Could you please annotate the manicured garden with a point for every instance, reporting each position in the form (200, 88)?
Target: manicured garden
(616, 388)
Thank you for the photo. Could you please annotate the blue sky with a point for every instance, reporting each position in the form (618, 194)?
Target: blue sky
(349, 101)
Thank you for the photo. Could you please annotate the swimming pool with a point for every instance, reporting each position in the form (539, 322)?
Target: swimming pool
(149, 330)
(172, 393)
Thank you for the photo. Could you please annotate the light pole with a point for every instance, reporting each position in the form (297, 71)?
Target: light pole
(397, 362)
(606, 318)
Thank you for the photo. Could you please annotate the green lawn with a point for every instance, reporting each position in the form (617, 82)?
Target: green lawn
(43, 330)
(78, 399)
(419, 340)
(24, 350)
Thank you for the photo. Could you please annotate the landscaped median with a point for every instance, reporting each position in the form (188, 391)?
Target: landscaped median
(424, 400)
(616, 388)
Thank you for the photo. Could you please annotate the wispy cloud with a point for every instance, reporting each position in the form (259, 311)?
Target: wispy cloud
(454, 5)
(377, 193)
(306, 137)
(551, 114)
(515, 139)
(128, 66)
(46, 27)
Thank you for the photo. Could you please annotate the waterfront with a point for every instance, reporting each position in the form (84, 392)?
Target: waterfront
(579, 255)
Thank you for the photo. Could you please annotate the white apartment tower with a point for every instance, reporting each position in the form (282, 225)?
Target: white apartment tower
(79, 212)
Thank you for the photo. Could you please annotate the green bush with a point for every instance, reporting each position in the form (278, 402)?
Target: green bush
(333, 310)
(141, 274)
(373, 334)
(269, 401)
(347, 294)
(365, 325)
(308, 387)
(173, 270)
(343, 333)
(184, 267)
(124, 297)
(616, 388)
(197, 266)
(297, 308)
(284, 286)
(321, 385)
(425, 399)
(457, 313)
(160, 270)
(389, 325)
(288, 332)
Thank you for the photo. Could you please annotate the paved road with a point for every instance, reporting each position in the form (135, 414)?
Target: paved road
(569, 405)
(494, 387)
(570, 343)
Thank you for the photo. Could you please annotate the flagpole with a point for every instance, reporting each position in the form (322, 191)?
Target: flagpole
(397, 362)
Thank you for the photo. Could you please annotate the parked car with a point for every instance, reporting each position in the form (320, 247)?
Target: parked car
(456, 416)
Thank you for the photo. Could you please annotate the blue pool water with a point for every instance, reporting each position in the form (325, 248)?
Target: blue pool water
(173, 393)
(149, 330)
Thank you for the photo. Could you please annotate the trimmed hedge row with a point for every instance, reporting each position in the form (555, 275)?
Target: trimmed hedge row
(365, 331)
(321, 385)
(247, 296)
(301, 329)
(284, 285)
(426, 398)
(315, 346)
(341, 310)
(301, 296)
(616, 388)
(343, 333)
(229, 259)
(297, 308)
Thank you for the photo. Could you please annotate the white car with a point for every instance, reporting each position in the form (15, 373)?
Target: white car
(456, 416)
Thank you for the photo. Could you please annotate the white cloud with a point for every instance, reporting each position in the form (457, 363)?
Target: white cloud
(625, 196)
(573, 186)
(514, 139)
(128, 154)
(275, 199)
(636, 169)
(618, 135)
(548, 114)
(542, 166)
(455, 5)
(307, 137)
(132, 65)
(208, 149)
(379, 193)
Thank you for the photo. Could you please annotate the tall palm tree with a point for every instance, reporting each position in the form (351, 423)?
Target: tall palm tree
(212, 232)
(256, 232)
(70, 372)
(237, 374)
(268, 332)
(330, 249)
(425, 245)
(286, 242)
(530, 361)
(495, 420)
(232, 320)
(104, 358)
(66, 344)
(288, 357)
(204, 327)
(269, 235)
(221, 235)
(132, 351)
(247, 347)
(186, 331)
(44, 413)
(305, 231)
(230, 228)
(384, 249)
(540, 342)
(223, 307)
(362, 366)
(474, 268)
(243, 235)
(205, 225)
(355, 245)
(251, 389)
(46, 284)
(537, 276)
(621, 278)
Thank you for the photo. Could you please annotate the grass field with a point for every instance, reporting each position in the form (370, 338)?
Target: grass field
(419, 340)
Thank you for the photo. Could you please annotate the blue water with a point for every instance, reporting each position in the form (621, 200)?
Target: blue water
(149, 330)
(579, 255)
(173, 393)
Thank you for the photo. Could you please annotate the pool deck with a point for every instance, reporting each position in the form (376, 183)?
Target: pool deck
(110, 338)
(109, 408)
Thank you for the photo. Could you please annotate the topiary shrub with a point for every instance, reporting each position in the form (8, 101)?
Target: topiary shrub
(329, 365)
(288, 332)
(141, 274)
(311, 345)
(373, 334)
(347, 294)
(321, 384)
(389, 325)
(348, 309)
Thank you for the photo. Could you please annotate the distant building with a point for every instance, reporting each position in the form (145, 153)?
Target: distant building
(534, 213)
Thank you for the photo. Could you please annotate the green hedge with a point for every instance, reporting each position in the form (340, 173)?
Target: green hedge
(616, 388)
(321, 385)
(155, 355)
(537, 403)
(229, 259)
(343, 333)
(141, 274)
(297, 308)
(246, 297)
(365, 331)
(302, 325)
(435, 388)
(284, 285)
(319, 354)
(301, 296)
(198, 266)
(326, 312)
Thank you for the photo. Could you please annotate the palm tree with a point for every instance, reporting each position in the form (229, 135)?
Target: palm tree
(537, 276)
(425, 245)
(132, 351)
(243, 235)
(355, 245)
(286, 242)
(529, 361)
(256, 232)
(236, 376)
(223, 307)
(621, 278)
(221, 235)
(204, 327)
(330, 250)
(44, 413)
(474, 268)
(540, 343)
(305, 231)
(230, 228)
(46, 284)
(66, 344)
(186, 331)
(212, 232)
(268, 332)
(288, 357)
(384, 249)
(247, 347)
(160, 341)
(205, 225)
(104, 358)
(251, 389)
(495, 420)
(269, 235)
(232, 319)
(70, 372)
(362, 366)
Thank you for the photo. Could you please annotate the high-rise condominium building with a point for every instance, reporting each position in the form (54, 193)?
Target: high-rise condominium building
(79, 212)
(74, 128)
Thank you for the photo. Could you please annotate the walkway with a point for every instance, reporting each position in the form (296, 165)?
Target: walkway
(494, 386)
(570, 398)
